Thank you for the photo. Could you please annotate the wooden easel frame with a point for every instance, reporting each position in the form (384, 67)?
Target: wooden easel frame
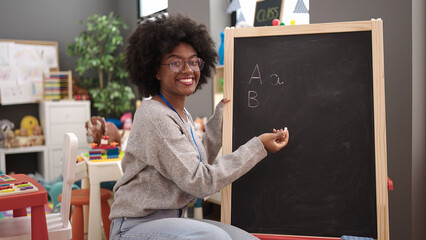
(376, 28)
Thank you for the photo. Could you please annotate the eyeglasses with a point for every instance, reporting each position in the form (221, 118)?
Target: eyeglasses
(177, 65)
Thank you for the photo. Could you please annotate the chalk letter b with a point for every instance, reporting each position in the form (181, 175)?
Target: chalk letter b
(252, 101)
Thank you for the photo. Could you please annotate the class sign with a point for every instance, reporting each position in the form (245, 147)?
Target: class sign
(266, 11)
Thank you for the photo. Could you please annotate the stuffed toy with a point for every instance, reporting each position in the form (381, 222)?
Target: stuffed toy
(97, 127)
(11, 140)
(37, 130)
(30, 133)
(5, 126)
(37, 138)
(29, 123)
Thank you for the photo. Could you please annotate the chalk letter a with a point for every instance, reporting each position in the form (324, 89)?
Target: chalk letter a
(256, 74)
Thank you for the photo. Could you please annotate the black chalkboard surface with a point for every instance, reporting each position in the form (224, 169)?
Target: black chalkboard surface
(321, 87)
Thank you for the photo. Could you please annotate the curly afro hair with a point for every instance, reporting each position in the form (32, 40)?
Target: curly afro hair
(155, 37)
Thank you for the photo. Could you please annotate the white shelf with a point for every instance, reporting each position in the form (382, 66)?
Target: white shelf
(57, 118)
(31, 149)
(42, 149)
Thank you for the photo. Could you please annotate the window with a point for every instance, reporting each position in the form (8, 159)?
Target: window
(148, 8)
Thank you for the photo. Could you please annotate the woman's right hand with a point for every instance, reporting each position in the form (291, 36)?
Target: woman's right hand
(273, 142)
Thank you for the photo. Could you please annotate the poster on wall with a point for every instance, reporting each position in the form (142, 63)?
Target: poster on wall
(27, 54)
(22, 65)
(4, 53)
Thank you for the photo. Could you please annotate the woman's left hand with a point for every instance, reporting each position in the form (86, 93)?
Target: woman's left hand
(225, 100)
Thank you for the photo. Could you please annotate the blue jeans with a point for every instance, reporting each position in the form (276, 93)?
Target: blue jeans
(170, 224)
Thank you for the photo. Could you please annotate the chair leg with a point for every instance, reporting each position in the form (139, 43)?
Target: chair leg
(105, 209)
(70, 213)
(77, 223)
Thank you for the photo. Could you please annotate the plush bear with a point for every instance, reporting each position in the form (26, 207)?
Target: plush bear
(11, 140)
(37, 138)
(37, 130)
(5, 126)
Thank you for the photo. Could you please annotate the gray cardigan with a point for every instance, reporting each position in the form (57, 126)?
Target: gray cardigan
(161, 164)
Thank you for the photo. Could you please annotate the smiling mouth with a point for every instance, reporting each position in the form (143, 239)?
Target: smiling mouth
(186, 81)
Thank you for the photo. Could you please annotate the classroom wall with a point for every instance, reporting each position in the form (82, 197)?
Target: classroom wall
(49, 20)
(45, 20)
(128, 11)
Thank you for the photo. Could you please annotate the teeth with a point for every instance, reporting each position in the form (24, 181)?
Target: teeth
(187, 80)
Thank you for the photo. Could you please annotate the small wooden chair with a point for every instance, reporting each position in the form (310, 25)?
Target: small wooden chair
(58, 224)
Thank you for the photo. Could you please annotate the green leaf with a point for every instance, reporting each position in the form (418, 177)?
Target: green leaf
(114, 100)
(97, 46)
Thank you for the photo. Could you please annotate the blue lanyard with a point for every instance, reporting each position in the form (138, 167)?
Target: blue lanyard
(171, 107)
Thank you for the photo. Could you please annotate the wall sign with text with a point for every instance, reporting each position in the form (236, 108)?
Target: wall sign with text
(266, 11)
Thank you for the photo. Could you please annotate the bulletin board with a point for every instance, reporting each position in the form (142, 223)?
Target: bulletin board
(22, 65)
(325, 82)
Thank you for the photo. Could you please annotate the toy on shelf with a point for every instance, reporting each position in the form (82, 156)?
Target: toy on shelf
(57, 85)
(29, 134)
(221, 47)
(78, 91)
(5, 126)
(28, 123)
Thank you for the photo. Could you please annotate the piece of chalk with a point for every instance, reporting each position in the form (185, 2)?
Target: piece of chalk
(285, 128)
(346, 237)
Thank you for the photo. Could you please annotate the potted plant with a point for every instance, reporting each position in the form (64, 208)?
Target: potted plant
(97, 48)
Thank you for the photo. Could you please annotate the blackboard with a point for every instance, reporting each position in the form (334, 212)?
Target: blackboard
(322, 85)
(266, 11)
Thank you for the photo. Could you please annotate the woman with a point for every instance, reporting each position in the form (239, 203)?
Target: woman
(166, 166)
